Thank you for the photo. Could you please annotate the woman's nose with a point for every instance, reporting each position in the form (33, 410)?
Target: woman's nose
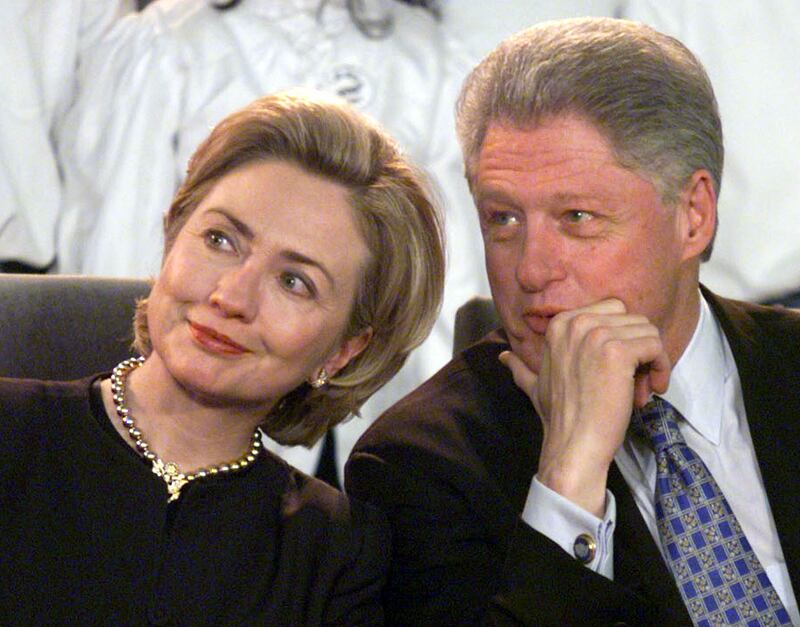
(237, 292)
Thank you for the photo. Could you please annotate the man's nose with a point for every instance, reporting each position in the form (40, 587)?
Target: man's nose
(541, 259)
(238, 291)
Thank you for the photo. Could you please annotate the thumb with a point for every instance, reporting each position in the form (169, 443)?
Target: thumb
(523, 376)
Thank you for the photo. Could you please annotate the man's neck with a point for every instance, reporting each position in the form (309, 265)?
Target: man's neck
(678, 330)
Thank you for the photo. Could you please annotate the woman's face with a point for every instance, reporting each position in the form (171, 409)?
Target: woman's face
(257, 289)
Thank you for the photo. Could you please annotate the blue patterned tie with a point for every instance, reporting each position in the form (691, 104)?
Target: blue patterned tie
(718, 574)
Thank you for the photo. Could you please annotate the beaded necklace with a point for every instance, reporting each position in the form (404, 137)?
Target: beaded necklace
(168, 471)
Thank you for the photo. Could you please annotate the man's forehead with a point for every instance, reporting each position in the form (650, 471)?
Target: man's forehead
(572, 128)
(562, 147)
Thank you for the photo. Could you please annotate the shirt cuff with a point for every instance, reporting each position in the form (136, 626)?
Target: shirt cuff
(582, 535)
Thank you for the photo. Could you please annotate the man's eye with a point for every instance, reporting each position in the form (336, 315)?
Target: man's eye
(577, 216)
(218, 240)
(503, 218)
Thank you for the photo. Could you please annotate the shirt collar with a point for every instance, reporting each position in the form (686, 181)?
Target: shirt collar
(697, 384)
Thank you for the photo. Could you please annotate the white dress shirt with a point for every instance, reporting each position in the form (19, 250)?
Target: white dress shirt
(717, 431)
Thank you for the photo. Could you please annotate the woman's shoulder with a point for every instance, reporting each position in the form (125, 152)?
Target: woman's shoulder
(16, 394)
(29, 407)
(335, 545)
(20, 394)
(306, 497)
(322, 517)
(34, 411)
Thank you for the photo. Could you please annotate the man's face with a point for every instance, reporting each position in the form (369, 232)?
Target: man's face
(564, 226)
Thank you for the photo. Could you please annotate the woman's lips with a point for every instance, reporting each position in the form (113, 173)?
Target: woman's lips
(214, 341)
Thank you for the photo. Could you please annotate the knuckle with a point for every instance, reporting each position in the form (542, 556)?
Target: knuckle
(613, 350)
(617, 306)
(555, 329)
(559, 320)
(581, 323)
(598, 336)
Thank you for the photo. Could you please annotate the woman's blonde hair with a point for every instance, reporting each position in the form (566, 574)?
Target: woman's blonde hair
(401, 288)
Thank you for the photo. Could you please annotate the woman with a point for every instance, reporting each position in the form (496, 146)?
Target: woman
(173, 70)
(303, 261)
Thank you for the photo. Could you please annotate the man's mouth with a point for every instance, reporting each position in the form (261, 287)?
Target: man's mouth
(538, 319)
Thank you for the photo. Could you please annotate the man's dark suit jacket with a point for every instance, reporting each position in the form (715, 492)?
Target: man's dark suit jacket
(451, 464)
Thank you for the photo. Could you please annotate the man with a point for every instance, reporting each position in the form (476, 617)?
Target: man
(519, 487)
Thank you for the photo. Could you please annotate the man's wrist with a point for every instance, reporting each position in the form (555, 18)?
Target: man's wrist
(584, 486)
(586, 537)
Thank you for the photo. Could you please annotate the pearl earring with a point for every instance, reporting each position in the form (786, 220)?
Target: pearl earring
(321, 380)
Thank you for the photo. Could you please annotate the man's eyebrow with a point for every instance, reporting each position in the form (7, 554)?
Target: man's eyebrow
(555, 199)
(293, 255)
(568, 197)
(495, 194)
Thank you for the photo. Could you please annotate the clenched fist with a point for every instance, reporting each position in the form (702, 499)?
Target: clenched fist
(598, 362)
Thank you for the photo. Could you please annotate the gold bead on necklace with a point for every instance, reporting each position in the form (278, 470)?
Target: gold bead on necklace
(168, 471)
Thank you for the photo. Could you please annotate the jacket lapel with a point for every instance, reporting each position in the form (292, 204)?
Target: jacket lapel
(764, 343)
(771, 392)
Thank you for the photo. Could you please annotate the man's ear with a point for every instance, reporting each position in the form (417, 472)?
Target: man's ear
(699, 206)
(349, 350)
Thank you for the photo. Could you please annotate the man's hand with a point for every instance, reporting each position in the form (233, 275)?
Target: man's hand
(598, 361)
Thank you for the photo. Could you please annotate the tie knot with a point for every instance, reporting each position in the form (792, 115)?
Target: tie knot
(657, 422)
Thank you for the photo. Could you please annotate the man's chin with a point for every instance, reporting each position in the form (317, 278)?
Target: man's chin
(530, 352)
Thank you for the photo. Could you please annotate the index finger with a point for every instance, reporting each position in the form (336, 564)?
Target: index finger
(605, 306)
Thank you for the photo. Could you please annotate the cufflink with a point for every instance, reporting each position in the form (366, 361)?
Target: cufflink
(584, 548)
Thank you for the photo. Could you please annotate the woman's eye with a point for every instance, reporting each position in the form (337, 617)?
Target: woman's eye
(297, 284)
(218, 240)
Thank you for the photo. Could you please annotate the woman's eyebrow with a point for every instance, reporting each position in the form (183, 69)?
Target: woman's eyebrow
(289, 255)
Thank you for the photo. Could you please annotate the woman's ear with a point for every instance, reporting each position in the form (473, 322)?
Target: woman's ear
(699, 204)
(349, 350)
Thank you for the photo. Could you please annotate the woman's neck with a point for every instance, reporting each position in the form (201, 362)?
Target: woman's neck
(178, 426)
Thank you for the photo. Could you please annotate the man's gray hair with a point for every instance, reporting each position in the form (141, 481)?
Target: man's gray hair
(645, 91)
